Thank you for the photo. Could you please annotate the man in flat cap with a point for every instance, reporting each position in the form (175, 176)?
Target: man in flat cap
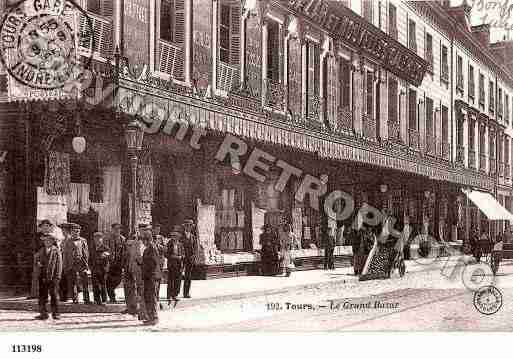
(49, 262)
(190, 244)
(175, 254)
(132, 282)
(151, 274)
(44, 228)
(100, 260)
(76, 254)
(160, 244)
(116, 242)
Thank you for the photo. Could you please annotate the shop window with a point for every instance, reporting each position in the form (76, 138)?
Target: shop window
(229, 33)
(412, 109)
(100, 41)
(392, 100)
(172, 38)
(312, 80)
(369, 89)
(230, 219)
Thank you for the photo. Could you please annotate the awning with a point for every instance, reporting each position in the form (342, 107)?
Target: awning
(492, 209)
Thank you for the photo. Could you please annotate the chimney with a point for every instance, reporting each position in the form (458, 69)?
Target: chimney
(482, 33)
(460, 13)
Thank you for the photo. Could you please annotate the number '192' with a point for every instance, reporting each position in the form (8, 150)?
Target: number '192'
(33, 348)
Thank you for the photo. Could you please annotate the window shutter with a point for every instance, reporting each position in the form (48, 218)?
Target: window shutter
(179, 38)
(107, 8)
(294, 73)
(332, 94)
(100, 41)
(235, 19)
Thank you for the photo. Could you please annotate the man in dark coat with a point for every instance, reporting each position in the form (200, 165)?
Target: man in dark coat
(329, 247)
(151, 276)
(270, 251)
(44, 228)
(116, 242)
(76, 264)
(50, 269)
(175, 254)
(100, 255)
(159, 241)
(63, 284)
(190, 244)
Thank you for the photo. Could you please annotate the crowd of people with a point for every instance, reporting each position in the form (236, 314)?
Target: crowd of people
(64, 262)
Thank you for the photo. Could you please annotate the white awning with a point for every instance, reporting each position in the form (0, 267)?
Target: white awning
(492, 209)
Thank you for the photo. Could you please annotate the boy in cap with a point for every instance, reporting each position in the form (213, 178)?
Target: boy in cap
(50, 269)
(44, 228)
(115, 241)
(76, 254)
(190, 244)
(100, 256)
(175, 254)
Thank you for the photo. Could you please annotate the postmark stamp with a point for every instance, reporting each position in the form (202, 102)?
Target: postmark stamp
(488, 300)
(39, 41)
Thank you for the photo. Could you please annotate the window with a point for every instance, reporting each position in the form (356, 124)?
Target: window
(506, 108)
(481, 139)
(367, 11)
(412, 36)
(345, 84)
(100, 7)
(229, 33)
(499, 100)
(172, 38)
(392, 20)
(429, 50)
(459, 73)
(445, 124)
(444, 72)
(312, 79)
(471, 84)
(491, 97)
(392, 100)
(369, 89)
(481, 90)
(430, 129)
(412, 108)
(274, 52)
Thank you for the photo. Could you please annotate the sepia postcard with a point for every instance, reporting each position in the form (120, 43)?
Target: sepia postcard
(255, 166)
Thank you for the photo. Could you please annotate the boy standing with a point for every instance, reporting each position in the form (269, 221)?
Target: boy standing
(100, 256)
(49, 263)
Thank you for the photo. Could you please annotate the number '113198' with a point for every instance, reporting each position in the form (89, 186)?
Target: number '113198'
(22, 348)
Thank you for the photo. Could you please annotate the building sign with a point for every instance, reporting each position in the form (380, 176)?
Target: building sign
(346, 26)
(136, 33)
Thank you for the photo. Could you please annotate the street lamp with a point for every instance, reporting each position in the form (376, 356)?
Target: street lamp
(134, 136)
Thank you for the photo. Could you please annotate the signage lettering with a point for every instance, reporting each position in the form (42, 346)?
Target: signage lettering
(344, 24)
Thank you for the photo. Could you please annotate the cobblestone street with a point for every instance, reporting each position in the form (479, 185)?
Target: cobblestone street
(403, 305)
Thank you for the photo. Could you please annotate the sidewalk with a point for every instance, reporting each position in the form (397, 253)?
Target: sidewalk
(220, 290)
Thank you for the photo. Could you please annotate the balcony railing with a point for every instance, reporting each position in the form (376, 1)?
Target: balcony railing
(369, 127)
(171, 58)
(274, 94)
(444, 73)
(471, 158)
(431, 145)
(413, 44)
(394, 131)
(460, 155)
(414, 139)
(482, 162)
(430, 60)
(501, 169)
(227, 76)
(344, 119)
(493, 167)
(446, 150)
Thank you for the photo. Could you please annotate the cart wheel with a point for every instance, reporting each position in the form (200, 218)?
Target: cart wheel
(402, 268)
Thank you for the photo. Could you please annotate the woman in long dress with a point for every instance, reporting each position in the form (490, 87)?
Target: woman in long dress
(288, 242)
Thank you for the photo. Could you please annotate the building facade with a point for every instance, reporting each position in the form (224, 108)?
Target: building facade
(379, 99)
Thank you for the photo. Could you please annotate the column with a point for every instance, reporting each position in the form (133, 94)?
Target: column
(358, 95)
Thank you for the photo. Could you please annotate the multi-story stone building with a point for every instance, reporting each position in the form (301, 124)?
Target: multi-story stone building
(380, 99)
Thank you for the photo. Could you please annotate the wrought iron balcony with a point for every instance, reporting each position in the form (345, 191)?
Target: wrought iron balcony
(369, 127)
(274, 94)
(413, 44)
(460, 155)
(482, 162)
(394, 131)
(344, 119)
(471, 158)
(414, 139)
(446, 150)
(431, 145)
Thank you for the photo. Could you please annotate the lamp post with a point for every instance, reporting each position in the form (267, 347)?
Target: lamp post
(134, 135)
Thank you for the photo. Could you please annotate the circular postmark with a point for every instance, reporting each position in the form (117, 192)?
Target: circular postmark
(39, 41)
(488, 300)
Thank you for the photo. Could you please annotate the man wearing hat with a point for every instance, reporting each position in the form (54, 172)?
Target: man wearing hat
(50, 268)
(100, 260)
(269, 252)
(160, 244)
(63, 284)
(44, 228)
(151, 276)
(115, 241)
(191, 245)
(76, 254)
(175, 254)
(133, 283)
